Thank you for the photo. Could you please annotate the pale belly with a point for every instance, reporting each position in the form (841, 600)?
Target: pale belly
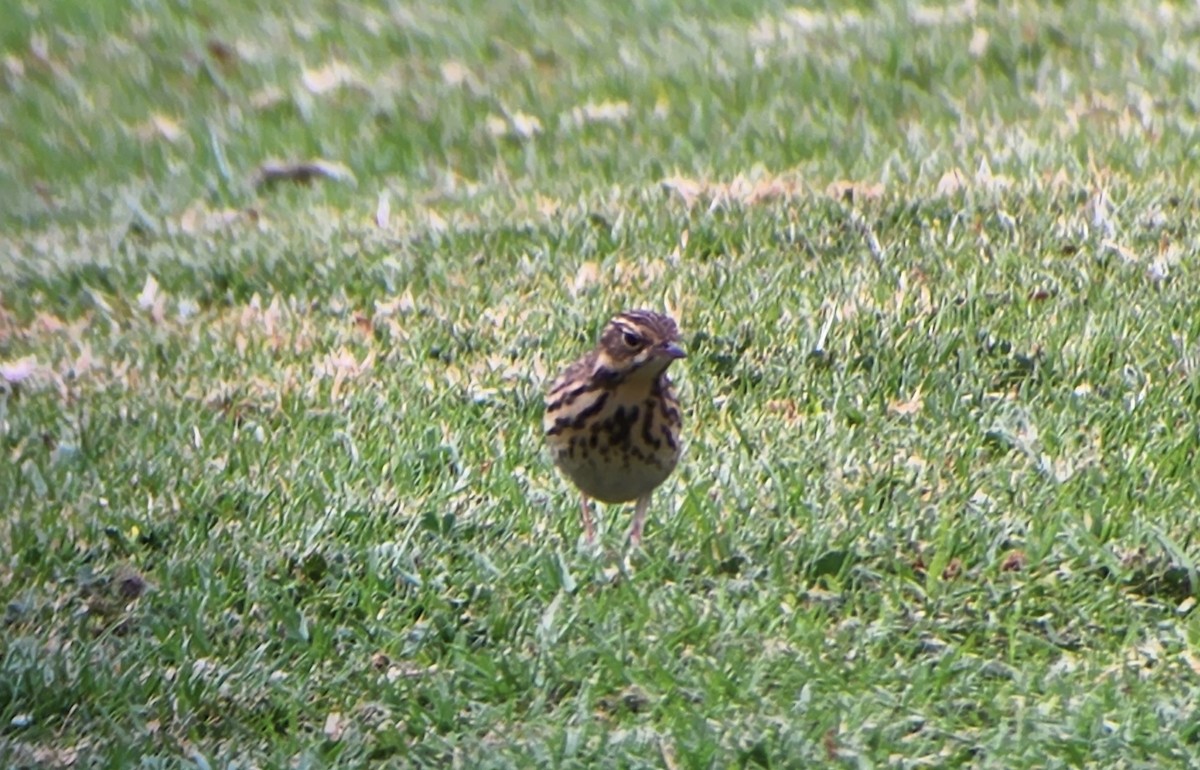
(622, 452)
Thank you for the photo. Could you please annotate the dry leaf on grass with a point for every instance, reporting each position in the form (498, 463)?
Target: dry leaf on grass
(849, 191)
(383, 210)
(744, 189)
(787, 408)
(334, 726)
(223, 52)
(14, 67)
(273, 172)
(517, 125)
(588, 275)
(409, 670)
(939, 15)
(687, 189)
(597, 112)
(342, 366)
(547, 206)
(1055, 180)
(1127, 254)
(1100, 209)
(199, 218)
(904, 407)
(751, 190)
(455, 73)
(14, 372)
(267, 97)
(48, 323)
(160, 126)
(153, 300)
(979, 42)
(1015, 561)
(989, 181)
(951, 182)
(435, 221)
(333, 75)
(405, 303)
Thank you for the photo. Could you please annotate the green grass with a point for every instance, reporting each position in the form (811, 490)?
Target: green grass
(274, 488)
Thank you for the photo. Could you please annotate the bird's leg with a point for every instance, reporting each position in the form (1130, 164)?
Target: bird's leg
(588, 531)
(639, 520)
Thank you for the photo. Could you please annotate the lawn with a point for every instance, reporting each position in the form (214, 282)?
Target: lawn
(281, 289)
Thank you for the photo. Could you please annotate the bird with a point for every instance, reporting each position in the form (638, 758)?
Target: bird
(612, 421)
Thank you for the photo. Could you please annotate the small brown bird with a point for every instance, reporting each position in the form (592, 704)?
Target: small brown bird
(612, 420)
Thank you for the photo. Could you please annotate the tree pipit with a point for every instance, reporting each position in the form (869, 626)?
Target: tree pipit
(612, 420)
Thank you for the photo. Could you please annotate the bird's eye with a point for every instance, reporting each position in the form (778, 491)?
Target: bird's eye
(633, 340)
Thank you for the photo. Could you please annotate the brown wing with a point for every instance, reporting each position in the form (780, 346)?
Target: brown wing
(575, 380)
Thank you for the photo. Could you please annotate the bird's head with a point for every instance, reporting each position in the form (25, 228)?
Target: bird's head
(637, 345)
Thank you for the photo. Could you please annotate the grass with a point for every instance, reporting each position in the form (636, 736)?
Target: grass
(274, 487)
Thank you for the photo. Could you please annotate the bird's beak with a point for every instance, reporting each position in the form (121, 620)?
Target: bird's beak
(671, 350)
